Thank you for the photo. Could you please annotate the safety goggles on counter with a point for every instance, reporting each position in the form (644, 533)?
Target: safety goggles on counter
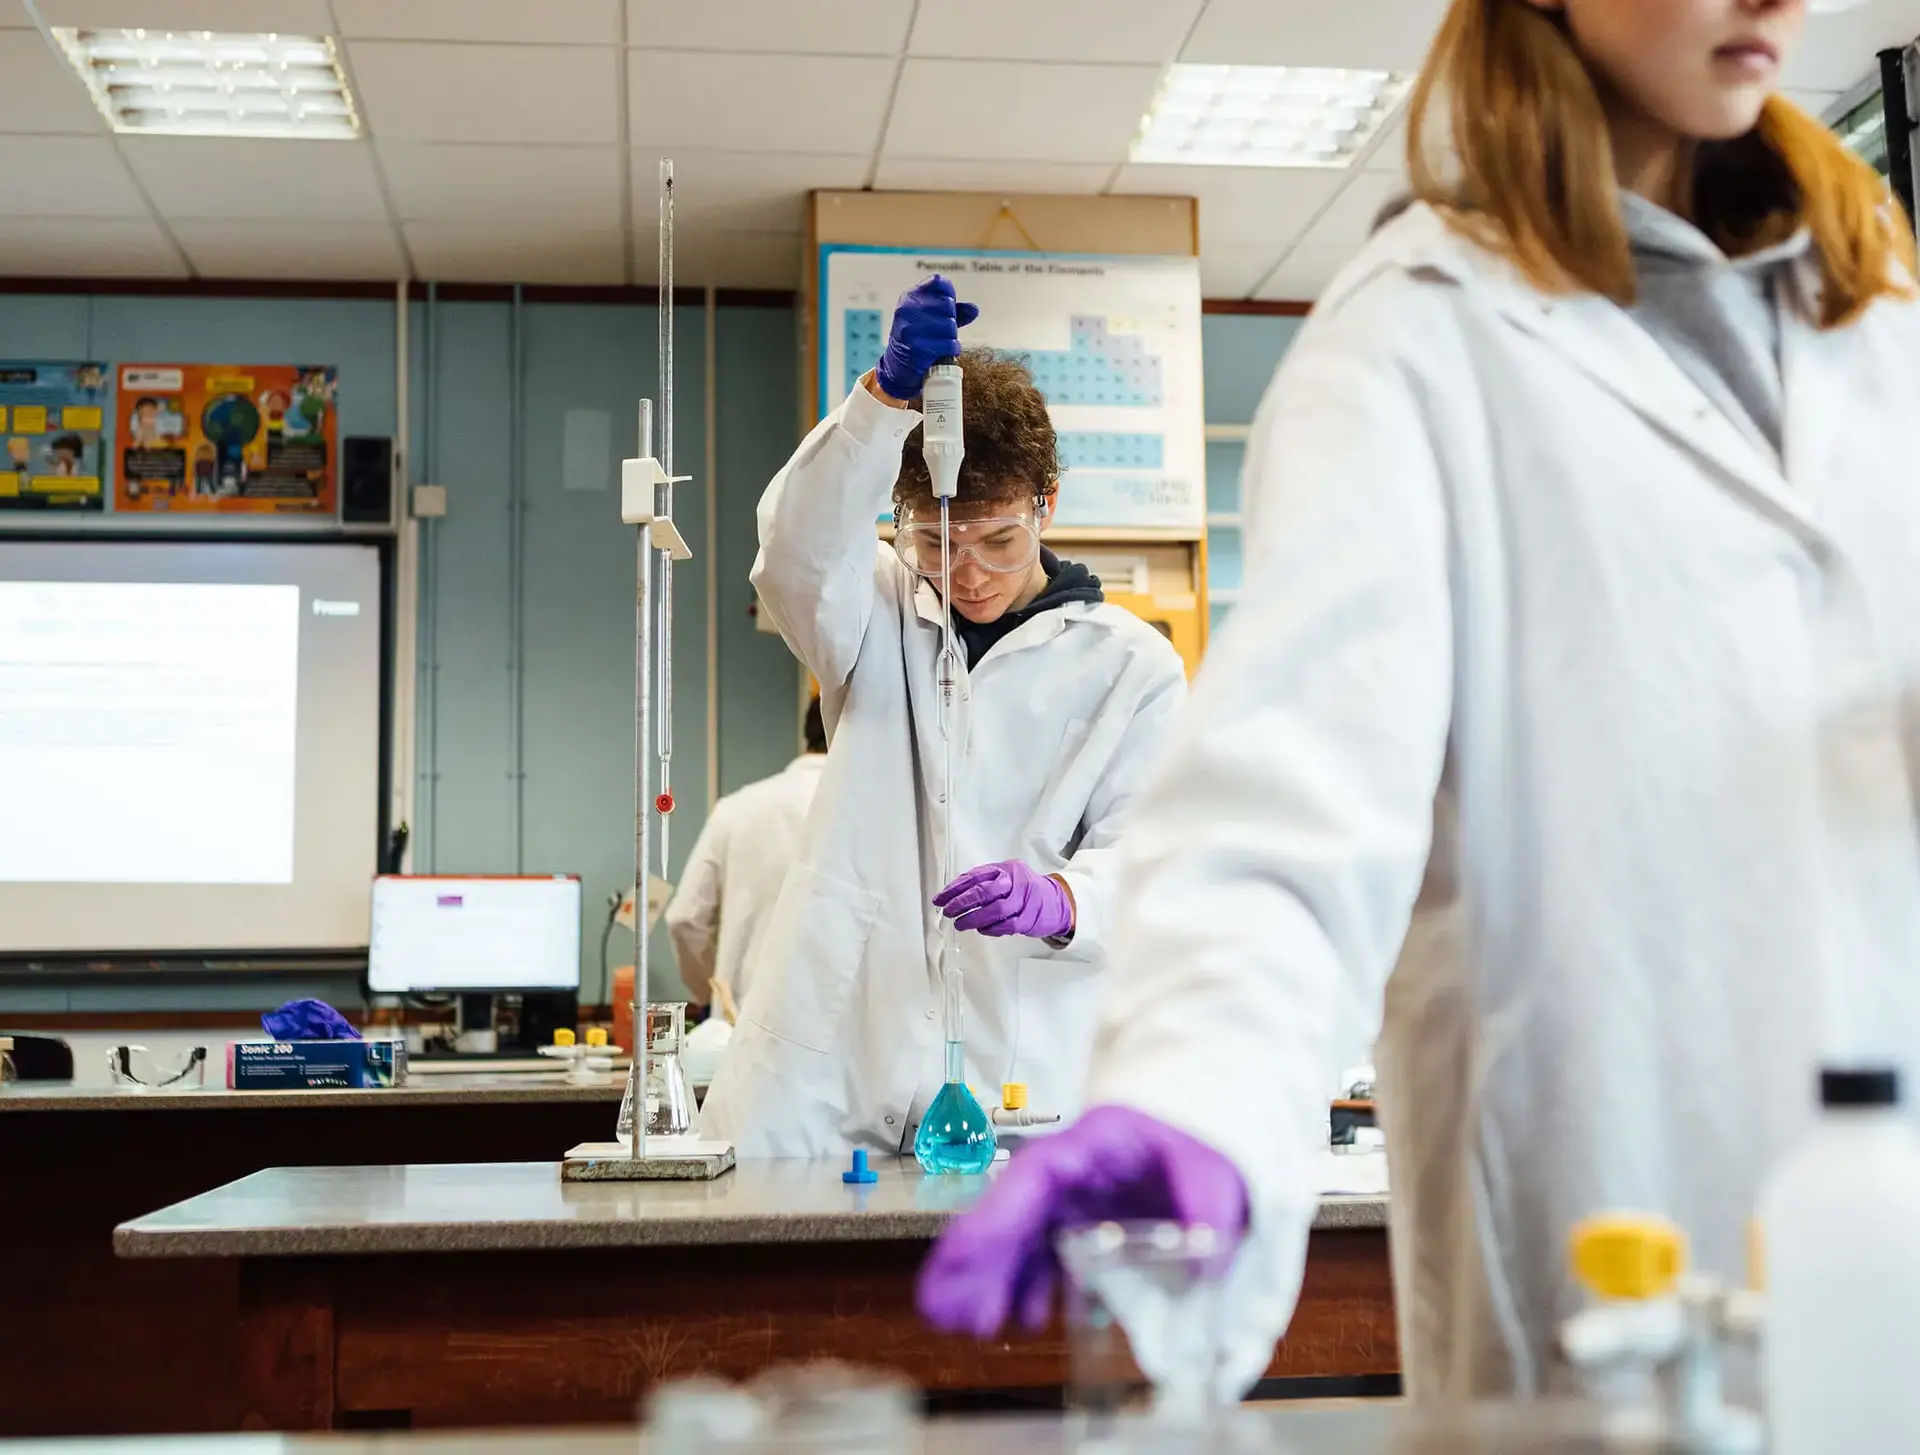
(1002, 543)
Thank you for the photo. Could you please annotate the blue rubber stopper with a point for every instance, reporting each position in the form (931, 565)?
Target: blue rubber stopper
(860, 1172)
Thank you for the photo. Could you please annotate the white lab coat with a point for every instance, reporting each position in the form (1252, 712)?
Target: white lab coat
(840, 1036)
(725, 898)
(1553, 687)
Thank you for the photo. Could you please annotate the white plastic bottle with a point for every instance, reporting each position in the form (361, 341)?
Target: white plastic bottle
(1840, 1226)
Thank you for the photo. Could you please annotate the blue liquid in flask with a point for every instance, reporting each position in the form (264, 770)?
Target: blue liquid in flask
(955, 1135)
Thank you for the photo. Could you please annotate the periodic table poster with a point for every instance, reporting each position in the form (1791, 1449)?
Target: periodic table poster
(1113, 342)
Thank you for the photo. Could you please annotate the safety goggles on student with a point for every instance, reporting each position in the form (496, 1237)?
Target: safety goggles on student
(1003, 543)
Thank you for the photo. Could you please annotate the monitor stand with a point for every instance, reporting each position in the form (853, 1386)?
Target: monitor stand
(474, 1025)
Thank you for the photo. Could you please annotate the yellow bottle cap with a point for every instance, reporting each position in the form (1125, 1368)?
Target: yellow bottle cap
(596, 1035)
(562, 1036)
(1627, 1256)
(1013, 1096)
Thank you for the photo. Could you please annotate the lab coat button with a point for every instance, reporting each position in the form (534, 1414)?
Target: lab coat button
(889, 1121)
(929, 1015)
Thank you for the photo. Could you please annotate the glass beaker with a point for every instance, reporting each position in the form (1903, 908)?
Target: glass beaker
(1149, 1313)
(670, 1109)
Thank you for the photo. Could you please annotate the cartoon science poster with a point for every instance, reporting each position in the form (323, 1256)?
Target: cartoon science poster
(53, 430)
(232, 438)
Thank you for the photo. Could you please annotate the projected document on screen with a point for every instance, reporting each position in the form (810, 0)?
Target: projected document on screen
(148, 731)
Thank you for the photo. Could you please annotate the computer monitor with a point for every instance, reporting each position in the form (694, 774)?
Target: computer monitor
(484, 934)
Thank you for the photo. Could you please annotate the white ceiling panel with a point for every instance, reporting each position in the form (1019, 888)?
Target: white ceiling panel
(288, 249)
(86, 247)
(1839, 50)
(1231, 270)
(66, 176)
(414, 91)
(431, 182)
(1304, 276)
(193, 176)
(720, 258)
(739, 191)
(1390, 150)
(13, 15)
(1347, 222)
(538, 249)
(825, 27)
(1023, 110)
(551, 22)
(39, 91)
(303, 17)
(920, 174)
(833, 105)
(1147, 31)
(1268, 206)
(1390, 35)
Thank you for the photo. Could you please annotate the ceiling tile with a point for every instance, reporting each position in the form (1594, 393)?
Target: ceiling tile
(13, 15)
(1814, 103)
(1026, 110)
(235, 177)
(1839, 50)
(551, 22)
(1390, 35)
(303, 17)
(1304, 275)
(1230, 270)
(740, 191)
(432, 182)
(86, 247)
(66, 176)
(1389, 153)
(291, 249)
(1147, 31)
(746, 103)
(720, 258)
(40, 91)
(830, 27)
(413, 91)
(920, 174)
(1348, 220)
(537, 249)
(1270, 206)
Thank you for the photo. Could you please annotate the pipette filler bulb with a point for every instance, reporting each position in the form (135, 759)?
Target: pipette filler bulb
(943, 444)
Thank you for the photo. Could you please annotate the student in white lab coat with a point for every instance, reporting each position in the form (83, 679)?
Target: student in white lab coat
(719, 912)
(1062, 705)
(1579, 673)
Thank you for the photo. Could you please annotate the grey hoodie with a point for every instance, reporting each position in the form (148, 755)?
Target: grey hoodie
(1717, 317)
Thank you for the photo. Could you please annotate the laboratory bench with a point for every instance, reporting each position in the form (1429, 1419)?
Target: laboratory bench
(94, 1344)
(1389, 1427)
(498, 1294)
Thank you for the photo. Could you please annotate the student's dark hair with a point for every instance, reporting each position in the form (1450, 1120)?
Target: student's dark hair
(145, 400)
(1012, 457)
(69, 442)
(816, 728)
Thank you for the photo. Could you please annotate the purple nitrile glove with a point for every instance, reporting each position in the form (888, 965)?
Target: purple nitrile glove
(926, 329)
(1008, 898)
(1114, 1164)
(308, 1020)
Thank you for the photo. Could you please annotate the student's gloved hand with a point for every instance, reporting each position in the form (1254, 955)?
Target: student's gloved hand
(1008, 899)
(1114, 1164)
(926, 329)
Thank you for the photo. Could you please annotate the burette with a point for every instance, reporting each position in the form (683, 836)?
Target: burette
(943, 446)
(647, 502)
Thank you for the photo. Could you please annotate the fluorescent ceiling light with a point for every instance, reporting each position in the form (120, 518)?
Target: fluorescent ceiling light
(1265, 116)
(206, 83)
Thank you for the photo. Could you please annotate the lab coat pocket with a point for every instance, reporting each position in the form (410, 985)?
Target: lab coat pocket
(818, 934)
(1058, 1006)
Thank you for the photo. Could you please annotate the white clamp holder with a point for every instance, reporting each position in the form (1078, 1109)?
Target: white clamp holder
(638, 478)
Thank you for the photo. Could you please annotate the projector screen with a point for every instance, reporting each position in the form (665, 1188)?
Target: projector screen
(189, 745)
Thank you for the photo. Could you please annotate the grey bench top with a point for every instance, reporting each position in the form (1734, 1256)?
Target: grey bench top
(442, 1089)
(1383, 1427)
(517, 1206)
